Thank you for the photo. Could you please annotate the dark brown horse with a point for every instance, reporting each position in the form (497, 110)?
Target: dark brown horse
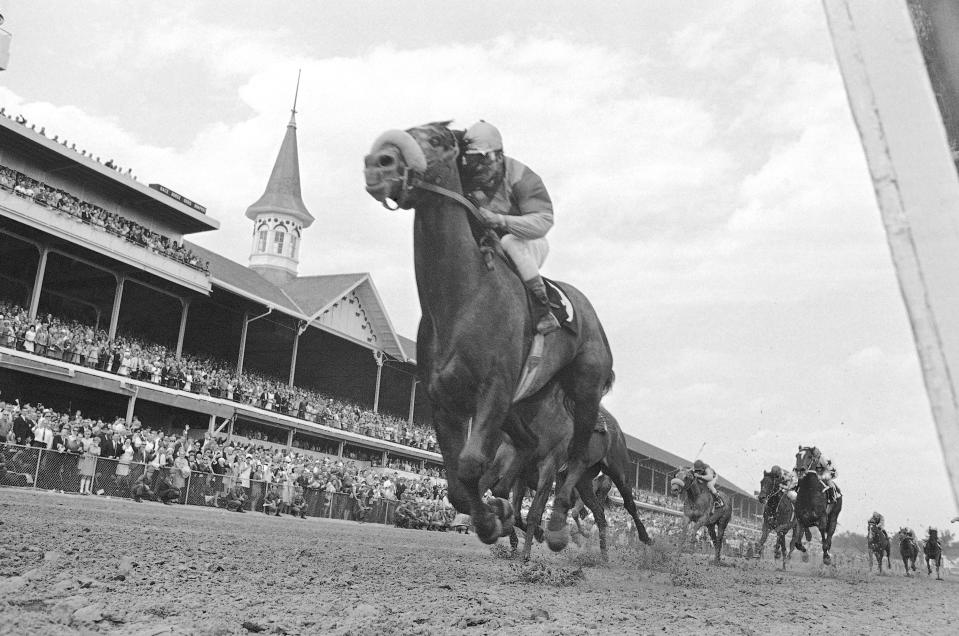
(516, 469)
(812, 508)
(933, 553)
(878, 545)
(908, 549)
(779, 516)
(476, 331)
(699, 509)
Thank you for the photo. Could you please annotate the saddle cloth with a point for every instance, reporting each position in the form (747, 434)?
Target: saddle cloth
(560, 305)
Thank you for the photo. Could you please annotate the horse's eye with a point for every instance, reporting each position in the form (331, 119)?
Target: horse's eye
(436, 142)
(385, 161)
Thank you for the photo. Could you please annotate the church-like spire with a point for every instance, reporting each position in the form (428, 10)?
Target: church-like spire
(282, 195)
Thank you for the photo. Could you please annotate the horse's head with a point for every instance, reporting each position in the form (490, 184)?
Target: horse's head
(807, 457)
(681, 482)
(400, 159)
(769, 483)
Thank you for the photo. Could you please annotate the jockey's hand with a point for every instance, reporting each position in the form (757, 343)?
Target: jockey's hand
(491, 219)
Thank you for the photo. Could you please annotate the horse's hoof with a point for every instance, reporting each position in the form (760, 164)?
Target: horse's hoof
(827, 561)
(557, 539)
(538, 534)
(488, 528)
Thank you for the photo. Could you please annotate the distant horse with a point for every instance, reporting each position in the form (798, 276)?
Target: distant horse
(812, 509)
(602, 484)
(878, 545)
(778, 514)
(476, 331)
(908, 549)
(516, 469)
(933, 552)
(699, 509)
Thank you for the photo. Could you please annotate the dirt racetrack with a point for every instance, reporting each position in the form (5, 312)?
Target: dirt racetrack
(71, 564)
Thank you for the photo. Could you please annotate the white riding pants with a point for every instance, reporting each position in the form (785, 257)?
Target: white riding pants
(528, 255)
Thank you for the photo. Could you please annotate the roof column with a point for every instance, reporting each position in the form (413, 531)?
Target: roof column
(185, 303)
(38, 282)
(412, 400)
(378, 356)
(300, 328)
(115, 313)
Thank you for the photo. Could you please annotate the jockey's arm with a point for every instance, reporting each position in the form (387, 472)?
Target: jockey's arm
(529, 195)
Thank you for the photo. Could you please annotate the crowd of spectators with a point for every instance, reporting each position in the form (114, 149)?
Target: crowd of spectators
(127, 355)
(94, 215)
(91, 455)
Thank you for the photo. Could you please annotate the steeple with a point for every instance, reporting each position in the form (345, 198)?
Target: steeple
(280, 216)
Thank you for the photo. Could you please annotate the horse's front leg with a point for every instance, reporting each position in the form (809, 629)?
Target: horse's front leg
(585, 490)
(451, 432)
(475, 457)
(585, 412)
(537, 507)
(762, 541)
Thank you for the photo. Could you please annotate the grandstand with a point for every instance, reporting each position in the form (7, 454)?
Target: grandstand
(138, 320)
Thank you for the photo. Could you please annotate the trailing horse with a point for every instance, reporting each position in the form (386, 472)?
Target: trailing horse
(516, 469)
(812, 507)
(878, 546)
(778, 515)
(908, 550)
(476, 332)
(933, 552)
(699, 509)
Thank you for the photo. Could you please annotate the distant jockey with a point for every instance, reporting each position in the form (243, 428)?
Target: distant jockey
(786, 479)
(877, 520)
(824, 468)
(513, 202)
(708, 476)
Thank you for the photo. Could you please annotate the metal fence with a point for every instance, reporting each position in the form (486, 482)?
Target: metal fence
(42, 469)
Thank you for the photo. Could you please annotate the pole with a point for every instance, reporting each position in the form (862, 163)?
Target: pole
(36, 473)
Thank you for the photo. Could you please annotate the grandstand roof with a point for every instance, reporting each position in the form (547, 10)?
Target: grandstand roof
(312, 298)
(56, 157)
(646, 449)
(282, 194)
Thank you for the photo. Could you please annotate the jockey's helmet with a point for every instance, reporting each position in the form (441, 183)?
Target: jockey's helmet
(481, 138)
(776, 470)
(699, 465)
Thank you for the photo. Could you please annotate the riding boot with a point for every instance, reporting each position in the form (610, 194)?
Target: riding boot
(546, 322)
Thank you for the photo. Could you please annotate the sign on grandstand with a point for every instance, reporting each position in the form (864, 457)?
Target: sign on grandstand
(178, 197)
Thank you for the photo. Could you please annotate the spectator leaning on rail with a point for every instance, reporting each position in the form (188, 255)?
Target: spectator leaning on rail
(512, 201)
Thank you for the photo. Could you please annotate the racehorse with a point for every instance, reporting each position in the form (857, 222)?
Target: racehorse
(878, 545)
(908, 550)
(778, 514)
(516, 469)
(699, 509)
(812, 509)
(476, 329)
(933, 553)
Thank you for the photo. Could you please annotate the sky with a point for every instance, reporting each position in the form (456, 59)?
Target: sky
(711, 194)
